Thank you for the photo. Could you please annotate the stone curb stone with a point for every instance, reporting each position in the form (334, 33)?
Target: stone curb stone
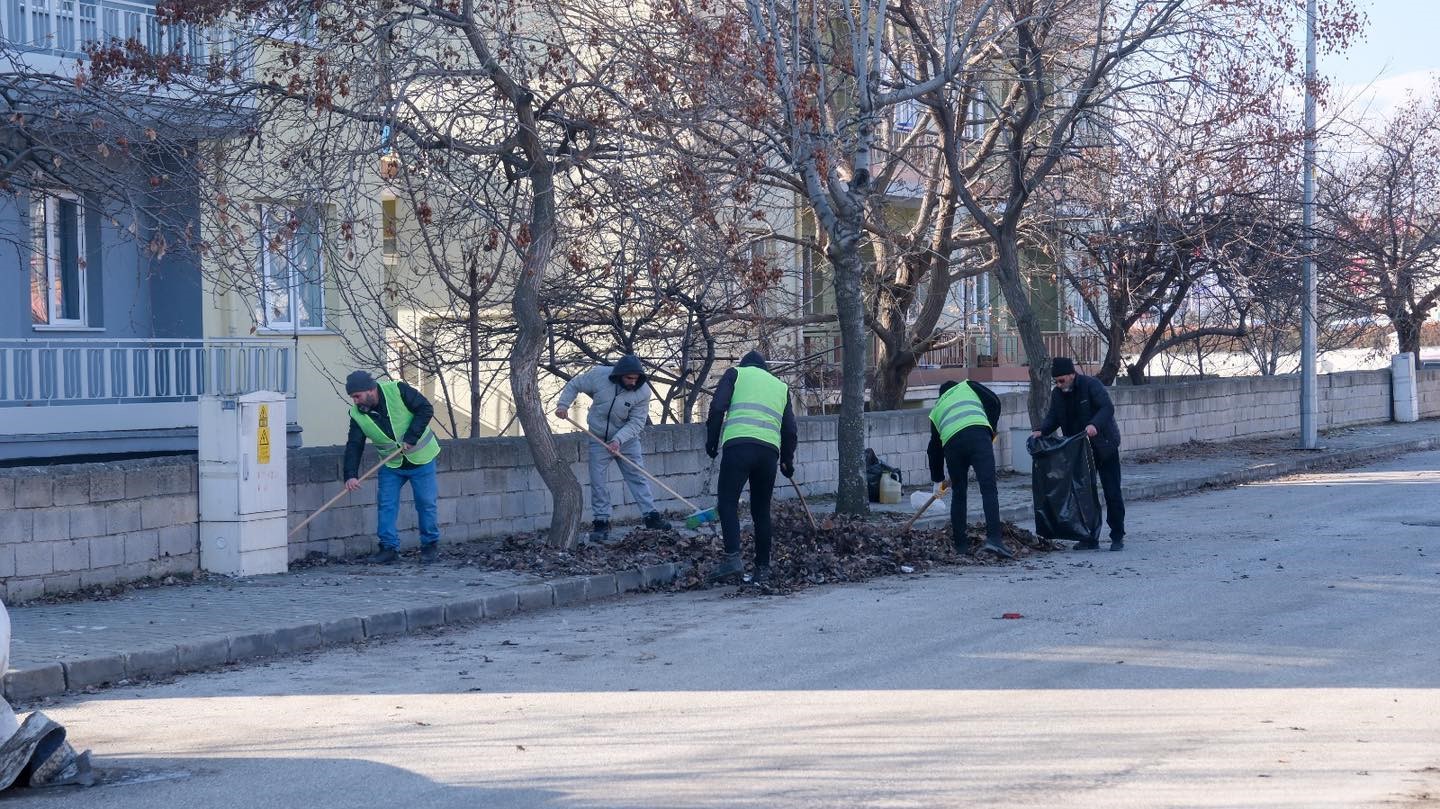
(152, 662)
(247, 645)
(535, 597)
(464, 611)
(628, 581)
(424, 617)
(568, 591)
(498, 605)
(34, 682)
(385, 623)
(657, 574)
(88, 671)
(601, 585)
(298, 638)
(202, 654)
(343, 630)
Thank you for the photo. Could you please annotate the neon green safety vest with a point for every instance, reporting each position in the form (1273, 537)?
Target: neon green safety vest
(959, 408)
(400, 417)
(757, 407)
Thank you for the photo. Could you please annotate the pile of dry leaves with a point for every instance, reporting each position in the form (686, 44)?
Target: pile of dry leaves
(841, 549)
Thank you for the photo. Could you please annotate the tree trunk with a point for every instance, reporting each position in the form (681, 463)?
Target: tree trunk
(892, 374)
(1012, 285)
(1407, 334)
(850, 497)
(525, 363)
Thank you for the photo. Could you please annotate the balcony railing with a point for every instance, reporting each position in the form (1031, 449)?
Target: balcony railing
(52, 386)
(65, 27)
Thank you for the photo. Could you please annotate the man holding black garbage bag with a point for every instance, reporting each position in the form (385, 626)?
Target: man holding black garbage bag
(1080, 404)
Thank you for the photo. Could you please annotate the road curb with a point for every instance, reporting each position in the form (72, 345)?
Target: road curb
(54, 678)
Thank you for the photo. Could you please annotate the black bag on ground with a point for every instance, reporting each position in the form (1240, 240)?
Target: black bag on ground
(1067, 504)
(876, 469)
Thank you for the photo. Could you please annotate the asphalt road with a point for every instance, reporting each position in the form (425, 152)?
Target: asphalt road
(1276, 645)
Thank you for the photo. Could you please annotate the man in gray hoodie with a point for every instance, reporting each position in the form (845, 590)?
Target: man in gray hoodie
(619, 407)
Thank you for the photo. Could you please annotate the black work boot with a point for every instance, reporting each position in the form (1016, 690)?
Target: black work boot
(599, 530)
(998, 548)
(429, 553)
(384, 556)
(761, 576)
(655, 521)
(1117, 543)
(729, 570)
(1086, 545)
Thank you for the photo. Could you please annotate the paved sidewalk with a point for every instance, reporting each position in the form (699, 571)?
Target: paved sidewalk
(165, 630)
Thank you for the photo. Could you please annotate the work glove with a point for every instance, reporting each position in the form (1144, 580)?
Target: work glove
(940, 487)
(712, 451)
(787, 468)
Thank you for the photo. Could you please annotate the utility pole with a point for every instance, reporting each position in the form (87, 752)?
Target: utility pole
(1309, 435)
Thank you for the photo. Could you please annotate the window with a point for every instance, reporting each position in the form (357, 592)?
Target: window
(57, 260)
(291, 268)
(815, 282)
(389, 226)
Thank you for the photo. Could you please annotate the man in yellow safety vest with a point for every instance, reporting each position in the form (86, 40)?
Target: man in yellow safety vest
(750, 416)
(962, 432)
(395, 416)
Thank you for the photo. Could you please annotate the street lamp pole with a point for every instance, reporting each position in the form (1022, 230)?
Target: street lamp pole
(1309, 436)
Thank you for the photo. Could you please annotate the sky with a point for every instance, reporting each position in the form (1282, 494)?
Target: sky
(1398, 52)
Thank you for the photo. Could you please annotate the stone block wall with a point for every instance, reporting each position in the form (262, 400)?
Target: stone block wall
(79, 525)
(71, 526)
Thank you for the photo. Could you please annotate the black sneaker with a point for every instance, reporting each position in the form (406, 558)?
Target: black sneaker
(998, 548)
(654, 521)
(1117, 544)
(429, 553)
(1087, 545)
(599, 530)
(761, 575)
(384, 556)
(730, 570)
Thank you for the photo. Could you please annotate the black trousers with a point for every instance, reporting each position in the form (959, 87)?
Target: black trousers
(1107, 466)
(755, 464)
(971, 449)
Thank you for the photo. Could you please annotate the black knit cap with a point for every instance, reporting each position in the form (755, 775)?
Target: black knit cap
(1060, 366)
(358, 381)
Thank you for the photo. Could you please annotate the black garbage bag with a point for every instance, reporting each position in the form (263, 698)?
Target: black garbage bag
(1067, 504)
(875, 469)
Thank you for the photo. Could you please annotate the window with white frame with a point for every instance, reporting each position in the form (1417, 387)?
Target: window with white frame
(57, 259)
(291, 268)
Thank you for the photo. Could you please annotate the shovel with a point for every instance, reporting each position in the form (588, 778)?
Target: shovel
(933, 498)
(702, 516)
(332, 501)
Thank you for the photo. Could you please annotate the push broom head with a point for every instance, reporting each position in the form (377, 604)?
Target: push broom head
(699, 518)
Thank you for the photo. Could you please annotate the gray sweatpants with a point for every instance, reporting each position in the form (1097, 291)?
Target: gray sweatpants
(600, 460)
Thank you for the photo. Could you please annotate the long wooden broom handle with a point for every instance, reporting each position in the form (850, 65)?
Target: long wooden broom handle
(642, 470)
(932, 499)
(332, 501)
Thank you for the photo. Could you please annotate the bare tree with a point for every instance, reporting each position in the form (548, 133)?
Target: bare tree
(1381, 205)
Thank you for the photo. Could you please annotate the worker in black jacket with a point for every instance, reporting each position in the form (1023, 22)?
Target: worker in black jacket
(962, 435)
(751, 418)
(1080, 404)
(396, 418)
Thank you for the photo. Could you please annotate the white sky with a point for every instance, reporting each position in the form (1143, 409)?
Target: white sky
(1398, 53)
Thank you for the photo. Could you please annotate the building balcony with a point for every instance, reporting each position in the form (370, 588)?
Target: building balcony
(51, 36)
(84, 397)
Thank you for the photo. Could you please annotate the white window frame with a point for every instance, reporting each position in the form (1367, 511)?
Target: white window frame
(45, 208)
(269, 264)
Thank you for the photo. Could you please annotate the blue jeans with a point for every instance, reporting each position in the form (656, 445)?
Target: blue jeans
(426, 492)
(600, 460)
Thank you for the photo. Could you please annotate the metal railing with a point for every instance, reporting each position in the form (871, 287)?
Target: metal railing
(88, 373)
(66, 27)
